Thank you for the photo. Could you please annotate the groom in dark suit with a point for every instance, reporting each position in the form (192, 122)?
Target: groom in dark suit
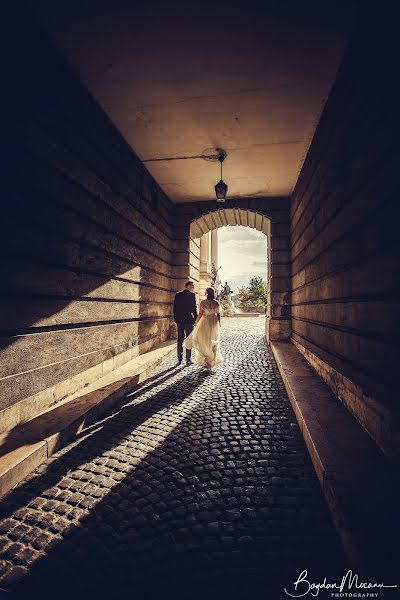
(185, 314)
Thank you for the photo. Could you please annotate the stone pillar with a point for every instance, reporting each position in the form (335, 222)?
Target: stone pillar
(214, 257)
(214, 247)
(205, 264)
(279, 322)
(204, 251)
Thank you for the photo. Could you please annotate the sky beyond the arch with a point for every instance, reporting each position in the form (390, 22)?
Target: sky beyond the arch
(242, 253)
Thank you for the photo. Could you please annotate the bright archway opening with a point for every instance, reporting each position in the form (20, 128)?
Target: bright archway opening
(242, 270)
(228, 248)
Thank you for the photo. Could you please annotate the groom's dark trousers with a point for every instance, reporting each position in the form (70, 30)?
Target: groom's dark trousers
(184, 329)
(185, 314)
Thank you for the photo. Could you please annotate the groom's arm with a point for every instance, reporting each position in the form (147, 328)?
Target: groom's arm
(194, 311)
(176, 308)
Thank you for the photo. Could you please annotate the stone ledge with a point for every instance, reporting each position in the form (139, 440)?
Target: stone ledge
(360, 484)
(382, 424)
(25, 409)
(244, 315)
(26, 446)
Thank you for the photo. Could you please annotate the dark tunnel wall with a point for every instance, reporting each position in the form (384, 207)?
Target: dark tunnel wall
(345, 242)
(86, 236)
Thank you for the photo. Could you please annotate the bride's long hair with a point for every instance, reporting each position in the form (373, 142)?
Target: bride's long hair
(210, 294)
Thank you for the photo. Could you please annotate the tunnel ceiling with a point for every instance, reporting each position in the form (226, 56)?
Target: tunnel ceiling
(180, 79)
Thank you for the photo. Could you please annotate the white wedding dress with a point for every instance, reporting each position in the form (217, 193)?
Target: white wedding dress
(205, 338)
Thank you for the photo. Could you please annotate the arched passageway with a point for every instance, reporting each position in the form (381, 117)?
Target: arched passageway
(268, 215)
(94, 250)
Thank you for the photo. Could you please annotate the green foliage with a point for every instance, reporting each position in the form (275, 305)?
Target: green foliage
(255, 294)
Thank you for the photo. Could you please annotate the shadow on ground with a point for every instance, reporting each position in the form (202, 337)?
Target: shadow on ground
(226, 505)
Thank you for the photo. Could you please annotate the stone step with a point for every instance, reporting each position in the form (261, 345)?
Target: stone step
(28, 445)
(361, 485)
(245, 315)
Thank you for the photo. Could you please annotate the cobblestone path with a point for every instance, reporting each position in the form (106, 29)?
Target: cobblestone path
(196, 484)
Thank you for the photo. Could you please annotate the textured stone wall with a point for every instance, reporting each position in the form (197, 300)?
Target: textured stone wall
(205, 265)
(89, 259)
(194, 266)
(345, 243)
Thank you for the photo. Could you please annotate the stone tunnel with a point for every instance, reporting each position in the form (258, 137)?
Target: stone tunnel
(106, 200)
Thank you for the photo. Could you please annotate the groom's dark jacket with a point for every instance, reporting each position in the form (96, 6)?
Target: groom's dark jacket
(185, 310)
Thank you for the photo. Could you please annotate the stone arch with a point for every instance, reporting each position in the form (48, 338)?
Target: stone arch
(269, 215)
(230, 216)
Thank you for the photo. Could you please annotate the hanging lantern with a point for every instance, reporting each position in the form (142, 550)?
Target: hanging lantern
(221, 188)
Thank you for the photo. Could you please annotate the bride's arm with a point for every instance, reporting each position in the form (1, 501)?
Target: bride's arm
(201, 313)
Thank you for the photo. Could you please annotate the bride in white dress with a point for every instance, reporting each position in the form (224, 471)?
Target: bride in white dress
(205, 336)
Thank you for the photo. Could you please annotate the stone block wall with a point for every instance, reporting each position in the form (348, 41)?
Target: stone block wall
(345, 242)
(194, 266)
(89, 261)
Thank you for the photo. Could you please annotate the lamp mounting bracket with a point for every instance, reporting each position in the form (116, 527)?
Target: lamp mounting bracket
(213, 154)
(221, 154)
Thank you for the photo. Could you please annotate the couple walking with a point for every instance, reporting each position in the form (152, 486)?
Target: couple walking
(200, 331)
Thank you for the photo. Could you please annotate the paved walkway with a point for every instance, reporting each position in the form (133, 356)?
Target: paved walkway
(196, 484)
